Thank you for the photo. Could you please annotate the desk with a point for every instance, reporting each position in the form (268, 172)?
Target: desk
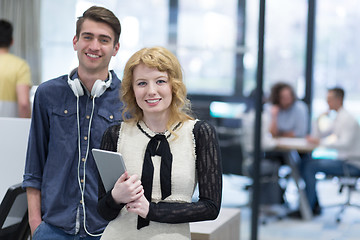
(299, 144)
(291, 148)
(225, 227)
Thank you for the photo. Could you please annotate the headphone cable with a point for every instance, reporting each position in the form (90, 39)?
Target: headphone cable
(82, 186)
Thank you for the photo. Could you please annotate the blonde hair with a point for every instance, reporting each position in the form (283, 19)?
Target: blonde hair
(164, 61)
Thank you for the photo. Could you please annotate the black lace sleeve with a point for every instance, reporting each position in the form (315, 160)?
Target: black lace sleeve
(209, 172)
(107, 208)
(110, 138)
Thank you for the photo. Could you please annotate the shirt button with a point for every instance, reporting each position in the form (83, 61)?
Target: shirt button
(111, 116)
(82, 180)
(85, 138)
(83, 159)
(65, 111)
(80, 201)
(87, 116)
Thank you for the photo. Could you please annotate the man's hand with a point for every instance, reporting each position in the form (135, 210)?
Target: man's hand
(34, 208)
(313, 140)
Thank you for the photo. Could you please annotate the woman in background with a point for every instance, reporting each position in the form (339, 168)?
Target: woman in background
(289, 116)
(166, 152)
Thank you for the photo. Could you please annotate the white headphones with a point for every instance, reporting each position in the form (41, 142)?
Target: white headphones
(97, 90)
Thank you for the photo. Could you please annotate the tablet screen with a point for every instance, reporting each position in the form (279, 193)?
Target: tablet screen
(110, 165)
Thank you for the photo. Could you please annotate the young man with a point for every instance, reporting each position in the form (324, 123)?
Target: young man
(70, 114)
(15, 79)
(344, 136)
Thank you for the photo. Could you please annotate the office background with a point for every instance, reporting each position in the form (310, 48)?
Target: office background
(216, 42)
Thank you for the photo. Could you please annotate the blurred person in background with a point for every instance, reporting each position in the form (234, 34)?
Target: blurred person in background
(15, 78)
(289, 116)
(344, 136)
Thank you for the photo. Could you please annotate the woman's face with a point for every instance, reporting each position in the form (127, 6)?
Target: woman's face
(152, 90)
(286, 98)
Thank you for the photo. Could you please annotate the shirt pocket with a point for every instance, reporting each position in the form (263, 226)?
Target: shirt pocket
(64, 120)
(110, 116)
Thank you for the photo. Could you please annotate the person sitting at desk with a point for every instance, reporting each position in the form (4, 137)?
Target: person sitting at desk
(289, 116)
(344, 136)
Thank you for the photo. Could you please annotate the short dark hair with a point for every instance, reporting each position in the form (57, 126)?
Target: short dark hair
(100, 14)
(6, 32)
(338, 92)
(275, 92)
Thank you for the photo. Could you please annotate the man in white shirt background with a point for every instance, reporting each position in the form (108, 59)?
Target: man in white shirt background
(344, 136)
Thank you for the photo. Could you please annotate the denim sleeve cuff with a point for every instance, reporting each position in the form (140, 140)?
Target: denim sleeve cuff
(31, 181)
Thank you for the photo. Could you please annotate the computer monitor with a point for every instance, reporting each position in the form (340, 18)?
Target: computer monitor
(227, 109)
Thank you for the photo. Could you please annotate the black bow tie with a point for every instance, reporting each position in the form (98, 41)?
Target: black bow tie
(158, 145)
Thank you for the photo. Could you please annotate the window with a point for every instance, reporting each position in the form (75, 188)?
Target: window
(285, 44)
(205, 38)
(206, 45)
(336, 53)
(140, 28)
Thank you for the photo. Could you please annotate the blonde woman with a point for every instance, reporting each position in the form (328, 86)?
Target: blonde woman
(166, 152)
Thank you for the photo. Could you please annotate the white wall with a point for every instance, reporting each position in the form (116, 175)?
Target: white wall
(14, 133)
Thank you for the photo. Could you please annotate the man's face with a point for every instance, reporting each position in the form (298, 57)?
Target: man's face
(286, 98)
(95, 46)
(333, 101)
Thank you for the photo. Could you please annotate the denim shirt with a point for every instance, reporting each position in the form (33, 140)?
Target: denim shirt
(52, 158)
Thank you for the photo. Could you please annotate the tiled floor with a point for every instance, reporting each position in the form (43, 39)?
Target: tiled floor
(323, 227)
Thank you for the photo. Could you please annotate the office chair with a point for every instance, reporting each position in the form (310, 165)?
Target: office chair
(349, 182)
(273, 202)
(14, 223)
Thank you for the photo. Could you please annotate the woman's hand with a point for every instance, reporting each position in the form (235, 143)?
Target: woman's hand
(273, 128)
(275, 109)
(139, 206)
(127, 189)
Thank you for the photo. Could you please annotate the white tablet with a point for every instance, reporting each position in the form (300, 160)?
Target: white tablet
(110, 165)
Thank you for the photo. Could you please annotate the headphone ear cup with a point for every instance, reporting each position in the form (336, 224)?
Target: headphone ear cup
(76, 87)
(98, 88)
